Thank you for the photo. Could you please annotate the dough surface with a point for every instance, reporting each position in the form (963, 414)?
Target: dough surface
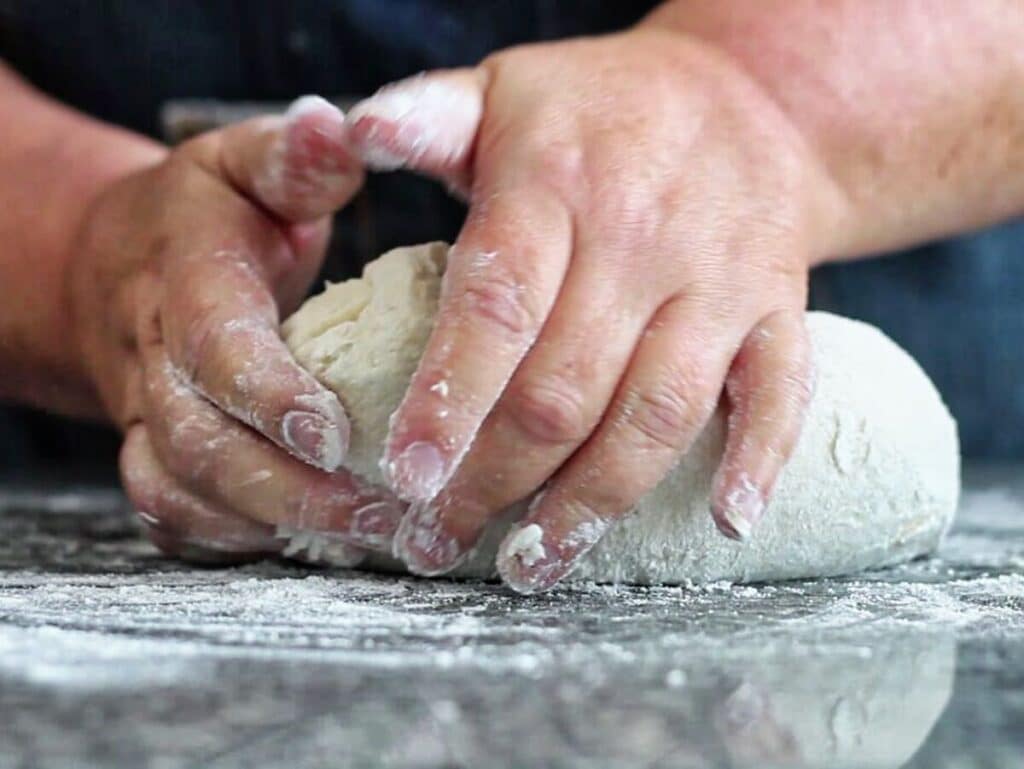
(874, 480)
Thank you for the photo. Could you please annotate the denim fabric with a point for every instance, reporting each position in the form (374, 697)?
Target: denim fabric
(954, 305)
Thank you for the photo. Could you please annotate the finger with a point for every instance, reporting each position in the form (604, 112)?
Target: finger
(553, 403)
(426, 123)
(502, 278)
(219, 318)
(299, 165)
(768, 389)
(668, 393)
(233, 467)
(221, 327)
(308, 243)
(177, 519)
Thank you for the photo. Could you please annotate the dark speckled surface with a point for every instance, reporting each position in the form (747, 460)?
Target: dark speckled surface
(111, 656)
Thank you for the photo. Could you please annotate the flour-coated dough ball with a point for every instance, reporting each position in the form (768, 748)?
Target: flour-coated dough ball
(874, 479)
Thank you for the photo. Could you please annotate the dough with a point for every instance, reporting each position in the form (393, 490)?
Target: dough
(874, 479)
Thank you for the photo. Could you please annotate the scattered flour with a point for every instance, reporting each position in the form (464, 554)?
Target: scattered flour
(526, 545)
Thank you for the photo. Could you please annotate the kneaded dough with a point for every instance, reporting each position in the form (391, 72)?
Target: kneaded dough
(874, 479)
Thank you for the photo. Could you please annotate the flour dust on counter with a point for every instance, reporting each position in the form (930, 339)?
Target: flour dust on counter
(111, 655)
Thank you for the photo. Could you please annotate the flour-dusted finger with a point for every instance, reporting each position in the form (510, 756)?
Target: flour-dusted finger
(222, 460)
(550, 407)
(769, 388)
(175, 518)
(427, 123)
(664, 400)
(502, 279)
(220, 326)
(298, 165)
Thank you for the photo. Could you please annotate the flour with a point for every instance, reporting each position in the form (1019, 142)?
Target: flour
(874, 479)
(316, 548)
(105, 646)
(526, 544)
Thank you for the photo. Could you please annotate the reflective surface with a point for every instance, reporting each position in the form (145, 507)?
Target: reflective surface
(111, 656)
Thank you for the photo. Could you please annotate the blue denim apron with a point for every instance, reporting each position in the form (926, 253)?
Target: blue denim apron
(954, 305)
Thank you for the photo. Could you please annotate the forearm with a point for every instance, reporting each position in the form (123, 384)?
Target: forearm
(914, 108)
(53, 161)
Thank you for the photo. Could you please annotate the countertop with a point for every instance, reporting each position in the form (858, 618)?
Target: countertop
(113, 656)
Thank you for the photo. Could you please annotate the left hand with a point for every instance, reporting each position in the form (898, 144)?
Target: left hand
(642, 216)
(179, 274)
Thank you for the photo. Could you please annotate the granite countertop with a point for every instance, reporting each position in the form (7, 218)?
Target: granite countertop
(113, 656)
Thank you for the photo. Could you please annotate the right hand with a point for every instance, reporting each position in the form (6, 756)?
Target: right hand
(182, 273)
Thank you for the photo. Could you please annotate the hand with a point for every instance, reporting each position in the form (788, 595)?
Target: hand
(181, 275)
(641, 220)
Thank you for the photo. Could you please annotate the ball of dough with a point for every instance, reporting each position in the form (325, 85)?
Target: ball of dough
(874, 479)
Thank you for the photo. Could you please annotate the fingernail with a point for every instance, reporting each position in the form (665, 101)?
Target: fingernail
(314, 439)
(423, 544)
(396, 101)
(375, 524)
(308, 104)
(382, 127)
(743, 510)
(148, 518)
(405, 120)
(377, 143)
(418, 473)
(433, 102)
(523, 562)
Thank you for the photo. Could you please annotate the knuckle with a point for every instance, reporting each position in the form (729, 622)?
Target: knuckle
(211, 303)
(199, 341)
(502, 301)
(560, 166)
(201, 148)
(198, 449)
(632, 216)
(663, 416)
(550, 412)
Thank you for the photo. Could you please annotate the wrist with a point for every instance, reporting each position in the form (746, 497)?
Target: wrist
(58, 162)
(86, 341)
(914, 115)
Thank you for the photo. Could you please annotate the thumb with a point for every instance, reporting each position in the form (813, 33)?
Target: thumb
(297, 165)
(427, 123)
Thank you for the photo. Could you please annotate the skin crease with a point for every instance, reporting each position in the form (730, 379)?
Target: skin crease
(640, 234)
